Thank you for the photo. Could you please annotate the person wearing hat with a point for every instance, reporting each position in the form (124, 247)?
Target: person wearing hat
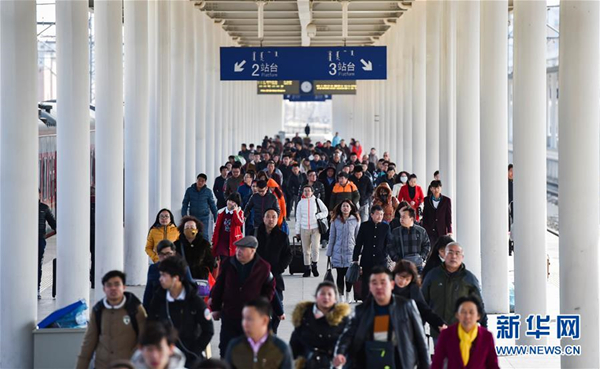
(228, 228)
(242, 278)
(260, 202)
(365, 190)
(344, 190)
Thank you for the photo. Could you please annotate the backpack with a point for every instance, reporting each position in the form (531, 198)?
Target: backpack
(131, 306)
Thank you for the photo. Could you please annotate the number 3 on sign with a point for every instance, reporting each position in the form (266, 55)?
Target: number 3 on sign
(333, 70)
(255, 68)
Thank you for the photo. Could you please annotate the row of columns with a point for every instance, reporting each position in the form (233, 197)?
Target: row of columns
(449, 75)
(162, 117)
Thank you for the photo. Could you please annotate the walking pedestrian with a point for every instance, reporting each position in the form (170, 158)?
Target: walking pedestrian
(317, 327)
(309, 212)
(345, 224)
(164, 228)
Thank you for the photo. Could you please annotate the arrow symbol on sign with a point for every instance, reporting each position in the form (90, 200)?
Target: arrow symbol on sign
(238, 67)
(367, 66)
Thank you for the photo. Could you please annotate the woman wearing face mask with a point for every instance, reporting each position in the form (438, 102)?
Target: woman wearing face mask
(383, 197)
(412, 194)
(164, 228)
(401, 180)
(408, 285)
(436, 255)
(196, 250)
(317, 326)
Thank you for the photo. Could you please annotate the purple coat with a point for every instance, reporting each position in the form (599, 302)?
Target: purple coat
(482, 356)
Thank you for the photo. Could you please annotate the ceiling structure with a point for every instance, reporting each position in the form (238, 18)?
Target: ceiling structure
(304, 22)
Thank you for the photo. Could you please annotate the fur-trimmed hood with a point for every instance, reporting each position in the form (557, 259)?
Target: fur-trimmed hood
(334, 317)
(383, 187)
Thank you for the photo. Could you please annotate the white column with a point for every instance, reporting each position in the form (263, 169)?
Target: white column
(579, 168)
(178, 108)
(73, 152)
(434, 12)
(494, 155)
(448, 101)
(419, 93)
(191, 27)
(467, 133)
(109, 139)
(399, 97)
(211, 80)
(160, 118)
(408, 92)
(136, 140)
(19, 165)
(201, 97)
(530, 160)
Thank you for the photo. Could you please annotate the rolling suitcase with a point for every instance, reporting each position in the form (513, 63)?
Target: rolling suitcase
(297, 264)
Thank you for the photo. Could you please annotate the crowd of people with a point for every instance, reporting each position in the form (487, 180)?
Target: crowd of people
(389, 242)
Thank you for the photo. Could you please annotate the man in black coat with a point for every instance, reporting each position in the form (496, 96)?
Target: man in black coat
(179, 304)
(274, 247)
(371, 245)
(365, 189)
(389, 324)
(292, 188)
(219, 188)
(260, 202)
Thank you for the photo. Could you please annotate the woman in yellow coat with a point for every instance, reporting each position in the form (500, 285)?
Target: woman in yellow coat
(163, 228)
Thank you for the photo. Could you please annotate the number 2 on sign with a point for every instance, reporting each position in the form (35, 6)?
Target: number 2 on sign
(256, 68)
(333, 70)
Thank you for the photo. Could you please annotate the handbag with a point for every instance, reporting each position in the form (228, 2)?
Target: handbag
(353, 274)
(322, 223)
(380, 355)
(328, 273)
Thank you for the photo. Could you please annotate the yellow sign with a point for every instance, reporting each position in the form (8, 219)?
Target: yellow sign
(278, 87)
(335, 87)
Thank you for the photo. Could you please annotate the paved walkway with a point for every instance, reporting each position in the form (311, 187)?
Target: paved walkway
(300, 289)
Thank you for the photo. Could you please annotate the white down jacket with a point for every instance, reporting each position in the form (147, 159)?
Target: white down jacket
(307, 215)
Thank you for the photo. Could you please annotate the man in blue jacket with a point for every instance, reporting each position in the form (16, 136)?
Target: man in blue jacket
(200, 201)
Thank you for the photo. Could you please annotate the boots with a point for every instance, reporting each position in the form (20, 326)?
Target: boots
(306, 271)
(314, 269)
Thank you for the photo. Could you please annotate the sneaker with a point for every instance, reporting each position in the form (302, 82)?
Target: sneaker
(342, 298)
(39, 296)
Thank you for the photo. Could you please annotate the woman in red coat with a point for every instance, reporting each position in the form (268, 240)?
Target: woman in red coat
(466, 345)
(228, 228)
(412, 194)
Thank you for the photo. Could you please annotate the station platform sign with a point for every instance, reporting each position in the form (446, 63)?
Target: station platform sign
(303, 63)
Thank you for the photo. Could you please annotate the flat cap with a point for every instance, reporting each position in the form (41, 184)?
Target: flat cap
(248, 241)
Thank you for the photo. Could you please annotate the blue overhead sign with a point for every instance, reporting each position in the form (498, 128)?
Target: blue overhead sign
(306, 98)
(303, 63)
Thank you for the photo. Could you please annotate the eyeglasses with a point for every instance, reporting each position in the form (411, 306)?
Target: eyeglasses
(164, 216)
(167, 254)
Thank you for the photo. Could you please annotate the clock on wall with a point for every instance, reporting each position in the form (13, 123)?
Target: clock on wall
(306, 87)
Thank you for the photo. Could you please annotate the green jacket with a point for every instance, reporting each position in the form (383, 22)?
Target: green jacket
(273, 354)
(441, 289)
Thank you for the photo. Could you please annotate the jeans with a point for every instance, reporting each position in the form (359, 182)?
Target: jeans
(311, 239)
(41, 249)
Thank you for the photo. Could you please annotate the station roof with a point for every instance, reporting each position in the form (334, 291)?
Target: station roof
(285, 21)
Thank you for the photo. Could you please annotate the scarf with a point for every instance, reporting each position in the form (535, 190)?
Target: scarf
(466, 341)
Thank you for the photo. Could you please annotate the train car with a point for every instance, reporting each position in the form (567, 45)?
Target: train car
(47, 151)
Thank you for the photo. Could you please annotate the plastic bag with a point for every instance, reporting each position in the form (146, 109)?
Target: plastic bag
(70, 316)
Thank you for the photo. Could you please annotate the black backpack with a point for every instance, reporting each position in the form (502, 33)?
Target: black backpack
(131, 306)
